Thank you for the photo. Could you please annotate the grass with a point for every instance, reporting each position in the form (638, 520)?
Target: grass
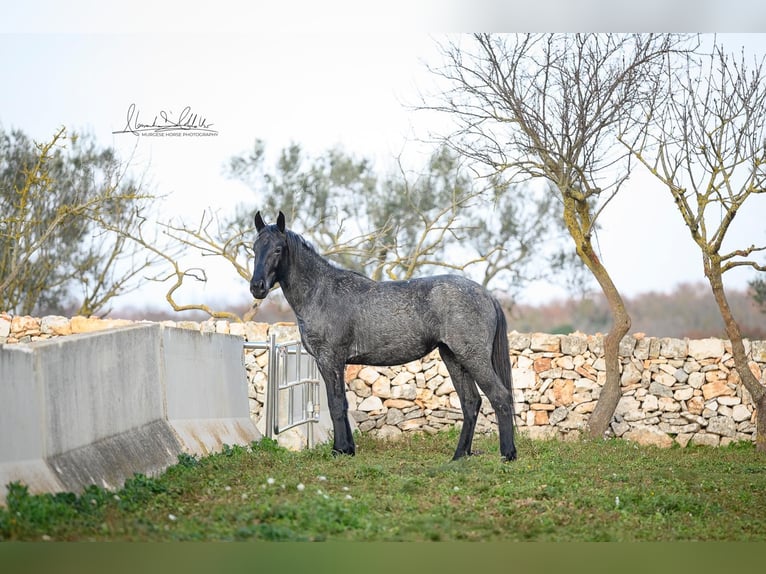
(409, 490)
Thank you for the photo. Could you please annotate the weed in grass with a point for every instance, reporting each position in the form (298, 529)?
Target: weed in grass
(187, 460)
(139, 490)
(31, 517)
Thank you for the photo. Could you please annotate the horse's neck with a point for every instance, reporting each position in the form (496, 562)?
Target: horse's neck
(305, 271)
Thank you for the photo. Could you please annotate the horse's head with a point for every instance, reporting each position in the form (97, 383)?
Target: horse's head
(270, 249)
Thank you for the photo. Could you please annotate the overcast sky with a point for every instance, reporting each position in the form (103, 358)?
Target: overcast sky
(298, 74)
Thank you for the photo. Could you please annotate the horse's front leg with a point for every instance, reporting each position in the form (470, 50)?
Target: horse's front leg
(332, 371)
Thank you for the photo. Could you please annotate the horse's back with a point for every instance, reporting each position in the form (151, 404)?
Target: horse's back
(394, 322)
(434, 299)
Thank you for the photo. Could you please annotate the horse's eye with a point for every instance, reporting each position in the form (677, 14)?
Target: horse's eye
(278, 251)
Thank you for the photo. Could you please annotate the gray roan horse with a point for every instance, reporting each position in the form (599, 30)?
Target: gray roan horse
(346, 318)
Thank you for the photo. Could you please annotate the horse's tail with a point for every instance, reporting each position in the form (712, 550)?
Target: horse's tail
(501, 360)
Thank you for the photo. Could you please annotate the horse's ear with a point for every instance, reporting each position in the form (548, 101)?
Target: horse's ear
(281, 222)
(259, 224)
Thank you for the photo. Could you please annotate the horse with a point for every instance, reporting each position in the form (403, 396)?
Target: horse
(346, 318)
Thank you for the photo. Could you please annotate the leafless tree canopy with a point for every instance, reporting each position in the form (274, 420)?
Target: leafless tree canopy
(553, 106)
(707, 144)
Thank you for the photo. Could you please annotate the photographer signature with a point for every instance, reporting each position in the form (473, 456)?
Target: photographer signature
(166, 123)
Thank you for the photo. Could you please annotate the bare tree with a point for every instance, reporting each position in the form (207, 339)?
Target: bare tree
(706, 141)
(59, 204)
(551, 107)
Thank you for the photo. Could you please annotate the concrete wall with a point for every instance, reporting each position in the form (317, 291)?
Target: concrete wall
(97, 408)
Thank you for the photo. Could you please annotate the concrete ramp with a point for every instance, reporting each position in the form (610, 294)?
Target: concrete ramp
(97, 408)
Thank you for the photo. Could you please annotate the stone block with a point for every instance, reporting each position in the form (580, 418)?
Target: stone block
(558, 415)
(716, 389)
(660, 390)
(351, 372)
(394, 415)
(665, 379)
(389, 433)
(574, 344)
(256, 332)
(704, 439)
(360, 388)
(740, 413)
(722, 426)
(518, 341)
(596, 344)
(673, 348)
(696, 380)
(627, 344)
(370, 404)
(407, 391)
(540, 432)
(402, 378)
(541, 364)
(630, 374)
(446, 388)
(641, 350)
(368, 374)
(758, 351)
(412, 424)
(705, 348)
(650, 403)
(669, 405)
(382, 387)
(648, 436)
(545, 343)
(523, 378)
(54, 325)
(683, 394)
(620, 428)
(563, 392)
(627, 404)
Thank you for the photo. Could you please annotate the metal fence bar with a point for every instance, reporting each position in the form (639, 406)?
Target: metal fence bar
(307, 386)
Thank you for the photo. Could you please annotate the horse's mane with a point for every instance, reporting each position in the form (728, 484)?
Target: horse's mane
(297, 244)
(295, 240)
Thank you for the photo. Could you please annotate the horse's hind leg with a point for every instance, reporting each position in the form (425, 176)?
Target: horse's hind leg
(500, 399)
(470, 401)
(480, 368)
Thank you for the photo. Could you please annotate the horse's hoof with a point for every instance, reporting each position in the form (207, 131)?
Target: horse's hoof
(336, 452)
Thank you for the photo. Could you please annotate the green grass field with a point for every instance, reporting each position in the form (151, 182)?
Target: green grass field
(410, 490)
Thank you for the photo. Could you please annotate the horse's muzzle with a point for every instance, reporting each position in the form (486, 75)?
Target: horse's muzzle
(259, 289)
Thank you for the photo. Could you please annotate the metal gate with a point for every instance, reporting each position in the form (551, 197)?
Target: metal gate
(292, 389)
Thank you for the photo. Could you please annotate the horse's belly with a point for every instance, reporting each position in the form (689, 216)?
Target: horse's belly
(390, 353)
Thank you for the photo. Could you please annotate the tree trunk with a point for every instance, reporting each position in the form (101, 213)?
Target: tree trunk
(753, 386)
(760, 423)
(598, 422)
(577, 219)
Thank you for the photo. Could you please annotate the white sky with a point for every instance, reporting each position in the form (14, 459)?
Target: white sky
(315, 76)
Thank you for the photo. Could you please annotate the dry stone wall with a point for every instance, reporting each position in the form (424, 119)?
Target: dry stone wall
(674, 390)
